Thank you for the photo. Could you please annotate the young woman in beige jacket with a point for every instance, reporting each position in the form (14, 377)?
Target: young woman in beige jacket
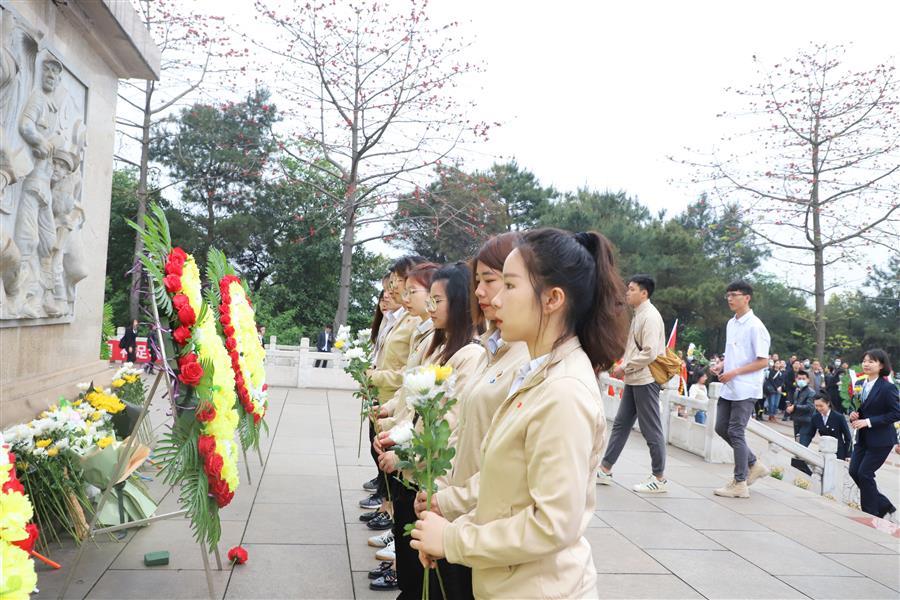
(452, 344)
(534, 495)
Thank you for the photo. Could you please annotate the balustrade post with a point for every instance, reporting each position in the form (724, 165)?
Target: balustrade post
(712, 410)
(828, 448)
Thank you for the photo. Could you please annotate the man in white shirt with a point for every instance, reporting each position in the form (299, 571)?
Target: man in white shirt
(742, 373)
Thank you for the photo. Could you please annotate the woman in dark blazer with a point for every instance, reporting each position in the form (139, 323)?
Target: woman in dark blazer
(827, 421)
(875, 437)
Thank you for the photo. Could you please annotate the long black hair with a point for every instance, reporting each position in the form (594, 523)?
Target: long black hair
(584, 266)
(377, 318)
(459, 331)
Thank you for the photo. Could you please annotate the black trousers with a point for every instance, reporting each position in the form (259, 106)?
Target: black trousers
(863, 464)
(382, 489)
(457, 582)
(410, 574)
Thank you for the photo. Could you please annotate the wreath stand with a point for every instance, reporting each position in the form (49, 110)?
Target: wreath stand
(124, 456)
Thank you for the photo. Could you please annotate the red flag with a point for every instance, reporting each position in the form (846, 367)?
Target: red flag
(673, 336)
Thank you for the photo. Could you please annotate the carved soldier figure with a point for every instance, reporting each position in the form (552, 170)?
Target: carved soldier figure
(67, 260)
(35, 231)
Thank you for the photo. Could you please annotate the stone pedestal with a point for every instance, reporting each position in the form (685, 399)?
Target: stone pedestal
(59, 69)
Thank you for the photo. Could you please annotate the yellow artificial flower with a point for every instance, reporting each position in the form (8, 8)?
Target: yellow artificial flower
(52, 451)
(118, 383)
(98, 389)
(17, 578)
(106, 441)
(339, 344)
(15, 512)
(76, 401)
(96, 416)
(441, 373)
(131, 378)
(43, 443)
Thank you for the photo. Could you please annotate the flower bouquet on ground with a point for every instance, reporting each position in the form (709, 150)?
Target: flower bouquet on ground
(17, 536)
(423, 449)
(199, 452)
(234, 312)
(50, 449)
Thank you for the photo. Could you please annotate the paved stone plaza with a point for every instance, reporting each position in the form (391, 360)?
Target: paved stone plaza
(299, 521)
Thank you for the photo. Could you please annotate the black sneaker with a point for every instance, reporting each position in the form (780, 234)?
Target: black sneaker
(373, 501)
(383, 569)
(371, 485)
(366, 517)
(381, 522)
(387, 582)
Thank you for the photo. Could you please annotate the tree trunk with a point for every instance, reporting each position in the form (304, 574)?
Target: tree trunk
(134, 301)
(343, 309)
(818, 248)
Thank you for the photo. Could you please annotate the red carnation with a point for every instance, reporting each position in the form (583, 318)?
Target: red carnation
(213, 463)
(186, 315)
(228, 330)
(174, 268)
(256, 418)
(226, 298)
(13, 485)
(172, 283)
(230, 343)
(237, 555)
(206, 414)
(206, 444)
(177, 255)
(225, 319)
(180, 301)
(224, 500)
(28, 543)
(265, 386)
(190, 374)
(181, 335)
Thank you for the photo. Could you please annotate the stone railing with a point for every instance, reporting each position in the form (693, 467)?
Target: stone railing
(830, 475)
(294, 366)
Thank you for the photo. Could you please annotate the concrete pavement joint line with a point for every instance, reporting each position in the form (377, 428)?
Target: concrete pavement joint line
(338, 471)
(262, 472)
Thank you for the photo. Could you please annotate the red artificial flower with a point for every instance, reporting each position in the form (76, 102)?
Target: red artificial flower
(237, 555)
(206, 444)
(28, 543)
(174, 268)
(13, 485)
(226, 298)
(228, 330)
(177, 255)
(265, 386)
(225, 319)
(180, 301)
(256, 418)
(172, 283)
(213, 463)
(206, 414)
(224, 500)
(181, 335)
(230, 343)
(191, 373)
(187, 316)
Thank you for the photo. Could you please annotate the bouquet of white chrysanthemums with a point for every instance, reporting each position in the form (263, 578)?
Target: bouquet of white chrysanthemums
(358, 351)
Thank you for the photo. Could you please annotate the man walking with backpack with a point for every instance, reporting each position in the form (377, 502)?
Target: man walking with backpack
(640, 400)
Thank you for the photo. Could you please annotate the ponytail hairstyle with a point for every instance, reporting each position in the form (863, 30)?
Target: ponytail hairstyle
(493, 253)
(459, 330)
(377, 318)
(584, 266)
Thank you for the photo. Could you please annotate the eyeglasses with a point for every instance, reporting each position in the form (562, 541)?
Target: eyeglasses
(408, 292)
(731, 295)
(431, 303)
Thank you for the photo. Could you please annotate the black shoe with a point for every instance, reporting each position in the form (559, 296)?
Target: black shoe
(371, 485)
(366, 517)
(386, 583)
(381, 522)
(373, 501)
(383, 569)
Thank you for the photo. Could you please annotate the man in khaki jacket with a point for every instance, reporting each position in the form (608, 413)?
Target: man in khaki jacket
(640, 400)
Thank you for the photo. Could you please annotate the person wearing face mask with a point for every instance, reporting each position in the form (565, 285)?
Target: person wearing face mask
(801, 408)
(773, 386)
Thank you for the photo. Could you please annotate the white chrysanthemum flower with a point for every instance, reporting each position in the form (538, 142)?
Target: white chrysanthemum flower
(402, 433)
(419, 382)
(18, 433)
(83, 386)
(355, 353)
(62, 443)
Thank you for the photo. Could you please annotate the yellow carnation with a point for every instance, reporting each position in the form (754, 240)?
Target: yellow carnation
(42, 443)
(339, 344)
(52, 451)
(104, 442)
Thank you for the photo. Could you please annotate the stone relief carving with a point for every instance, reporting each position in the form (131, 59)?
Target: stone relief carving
(42, 142)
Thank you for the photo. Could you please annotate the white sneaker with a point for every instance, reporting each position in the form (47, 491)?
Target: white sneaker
(380, 541)
(652, 486)
(892, 517)
(757, 471)
(734, 489)
(386, 553)
(603, 478)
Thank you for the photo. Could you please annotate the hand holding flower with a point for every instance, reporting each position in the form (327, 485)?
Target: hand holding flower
(428, 536)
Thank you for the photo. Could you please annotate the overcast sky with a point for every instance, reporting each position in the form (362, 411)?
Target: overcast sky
(600, 94)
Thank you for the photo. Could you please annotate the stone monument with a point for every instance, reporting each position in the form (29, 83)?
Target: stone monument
(60, 63)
